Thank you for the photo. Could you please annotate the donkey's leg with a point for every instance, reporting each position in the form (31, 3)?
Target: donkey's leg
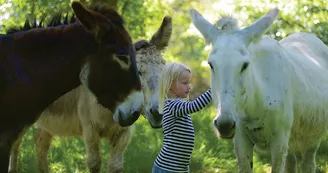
(291, 163)
(13, 164)
(279, 151)
(281, 124)
(119, 139)
(4, 157)
(244, 150)
(91, 141)
(6, 141)
(42, 141)
(308, 160)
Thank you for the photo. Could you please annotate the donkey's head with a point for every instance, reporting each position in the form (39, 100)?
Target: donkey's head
(110, 70)
(150, 64)
(229, 61)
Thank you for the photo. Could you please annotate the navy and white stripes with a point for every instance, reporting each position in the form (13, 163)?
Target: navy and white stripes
(179, 133)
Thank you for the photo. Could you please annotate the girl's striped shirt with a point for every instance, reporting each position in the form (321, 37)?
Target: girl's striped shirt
(179, 132)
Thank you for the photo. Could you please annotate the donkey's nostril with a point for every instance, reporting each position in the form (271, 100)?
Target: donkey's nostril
(136, 113)
(215, 122)
(233, 125)
(154, 111)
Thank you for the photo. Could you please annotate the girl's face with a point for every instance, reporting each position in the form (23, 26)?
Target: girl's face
(181, 87)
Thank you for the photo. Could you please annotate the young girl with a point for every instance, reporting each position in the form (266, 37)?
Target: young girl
(174, 87)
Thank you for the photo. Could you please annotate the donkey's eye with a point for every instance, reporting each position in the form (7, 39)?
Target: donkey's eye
(244, 67)
(224, 26)
(140, 73)
(243, 52)
(210, 64)
(124, 58)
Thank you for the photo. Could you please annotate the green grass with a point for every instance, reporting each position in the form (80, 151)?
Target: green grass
(211, 154)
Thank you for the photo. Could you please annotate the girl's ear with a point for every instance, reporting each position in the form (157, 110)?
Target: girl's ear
(171, 92)
(174, 83)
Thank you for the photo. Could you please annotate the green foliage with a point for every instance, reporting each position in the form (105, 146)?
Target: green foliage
(139, 15)
(20, 10)
(142, 17)
(295, 16)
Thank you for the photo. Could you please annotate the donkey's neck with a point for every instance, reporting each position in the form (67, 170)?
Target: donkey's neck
(266, 76)
(61, 42)
(249, 82)
(48, 51)
(42, 65)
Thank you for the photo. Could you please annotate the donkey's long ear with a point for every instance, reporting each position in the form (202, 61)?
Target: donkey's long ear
(255, 31)
(162, 37)
(208, 30)
(92, 21)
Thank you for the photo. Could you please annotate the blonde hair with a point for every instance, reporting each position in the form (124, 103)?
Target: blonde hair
(170, 73)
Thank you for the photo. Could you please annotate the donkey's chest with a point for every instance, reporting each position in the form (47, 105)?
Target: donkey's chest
(257, 131)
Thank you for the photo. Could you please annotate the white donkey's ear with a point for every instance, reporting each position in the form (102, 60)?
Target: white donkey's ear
(255, 31)
(208, 30)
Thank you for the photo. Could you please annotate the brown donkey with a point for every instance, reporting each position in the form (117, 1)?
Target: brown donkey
(40, 65)
(78, 114)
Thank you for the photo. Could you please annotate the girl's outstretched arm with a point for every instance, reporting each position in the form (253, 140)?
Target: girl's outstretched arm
(179, 108)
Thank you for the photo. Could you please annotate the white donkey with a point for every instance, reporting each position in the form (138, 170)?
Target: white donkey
(268, 94)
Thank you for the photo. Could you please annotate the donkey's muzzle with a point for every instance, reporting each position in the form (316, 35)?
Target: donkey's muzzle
(131, 119)
(226, 128)
(154, 117)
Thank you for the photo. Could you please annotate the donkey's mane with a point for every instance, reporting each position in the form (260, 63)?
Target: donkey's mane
(58, 19)
(227, 21)
(148, 53)
(142, 44)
